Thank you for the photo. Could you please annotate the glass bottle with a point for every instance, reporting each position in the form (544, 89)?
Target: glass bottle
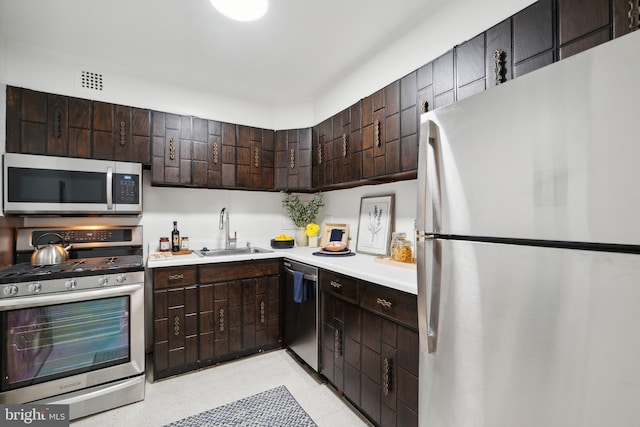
(175, 237)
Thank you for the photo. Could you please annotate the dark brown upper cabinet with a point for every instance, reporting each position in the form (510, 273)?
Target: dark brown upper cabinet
(626, 15)
(498, 54)
(443, 80)
(381, 137)
(582, 25)
(470, 67)
(255, 160)
(40, 123)
(425, 88)
(409, 122)
(171, 149)
(293, 159)
(322, 171)
(533, 37)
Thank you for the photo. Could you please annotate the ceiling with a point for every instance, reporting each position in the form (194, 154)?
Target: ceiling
(300, 48)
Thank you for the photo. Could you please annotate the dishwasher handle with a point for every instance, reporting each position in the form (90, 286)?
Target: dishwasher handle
(312, 277)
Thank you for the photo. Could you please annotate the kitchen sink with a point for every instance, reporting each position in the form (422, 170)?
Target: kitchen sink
(237, 251)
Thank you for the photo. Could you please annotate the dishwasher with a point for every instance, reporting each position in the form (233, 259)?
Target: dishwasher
(301, 319)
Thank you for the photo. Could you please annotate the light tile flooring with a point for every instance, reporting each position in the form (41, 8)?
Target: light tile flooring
(178, 397)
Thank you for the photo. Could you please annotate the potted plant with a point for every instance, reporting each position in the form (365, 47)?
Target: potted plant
(302, 213)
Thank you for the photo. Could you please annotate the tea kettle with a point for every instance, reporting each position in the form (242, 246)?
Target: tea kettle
(50, 254)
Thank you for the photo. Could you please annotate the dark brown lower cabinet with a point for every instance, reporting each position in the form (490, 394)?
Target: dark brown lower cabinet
(211, 313)
(370, 348)
(175, 321)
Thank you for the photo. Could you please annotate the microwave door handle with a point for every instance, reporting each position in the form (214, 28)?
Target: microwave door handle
(109, 188)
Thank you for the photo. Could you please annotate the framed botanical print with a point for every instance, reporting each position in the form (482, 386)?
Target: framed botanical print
(374, 224)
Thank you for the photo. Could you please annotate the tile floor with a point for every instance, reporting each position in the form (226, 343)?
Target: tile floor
(175, 398)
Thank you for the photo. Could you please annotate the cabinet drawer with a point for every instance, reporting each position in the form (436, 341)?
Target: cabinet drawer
(174, 276)
(341, 286)
(222, 272)
(399, 306)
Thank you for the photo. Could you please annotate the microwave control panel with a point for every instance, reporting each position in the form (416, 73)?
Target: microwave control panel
(126, 189)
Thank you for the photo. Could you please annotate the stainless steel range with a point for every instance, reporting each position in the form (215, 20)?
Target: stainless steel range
(73, 332)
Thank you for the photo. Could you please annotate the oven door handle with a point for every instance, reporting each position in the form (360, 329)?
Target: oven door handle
(109, 188)
(66, 297)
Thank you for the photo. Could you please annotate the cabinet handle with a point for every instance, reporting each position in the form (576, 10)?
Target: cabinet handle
(376, 132)
(221, 316)
(216, 153)
(172, 149)
(57, 124)
(256, 157)
(176, 326)
(262, 311)
(319, 152)
(345, 139)
(337, 345)
(386, 376)
(335, 284)
(292, 158)
(123, 133)
(424, 106)
(499, 66)
(384, 303)
(176, 276)
(634, 14)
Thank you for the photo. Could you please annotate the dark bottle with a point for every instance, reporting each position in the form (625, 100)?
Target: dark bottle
(175, 237)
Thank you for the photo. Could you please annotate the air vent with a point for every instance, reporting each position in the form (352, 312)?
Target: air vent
(91, 80)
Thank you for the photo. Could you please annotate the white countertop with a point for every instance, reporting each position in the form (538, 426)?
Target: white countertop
(360, 266)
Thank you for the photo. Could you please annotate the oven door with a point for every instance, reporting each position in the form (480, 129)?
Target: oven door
(59, 343)
(60, 185)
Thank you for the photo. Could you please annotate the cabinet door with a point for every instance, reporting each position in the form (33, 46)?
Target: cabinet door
(332, 352)
(228, 155)
(341, 141)
(102, 132)
(582, 25)
(443, 80)
(470, 67)
(425, 88)
(199, 146)
(293, 159)
(381, 132)
(26, 121)
(267, 312)
(255, 161)
(80, 112)
(533, 37)
(175, 330)
(243, 157)
(626, 15)
(354, 144)
(123, 147)
(214, 154)
(409, 122)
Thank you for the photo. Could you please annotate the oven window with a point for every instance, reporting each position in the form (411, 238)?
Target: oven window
(45, 343)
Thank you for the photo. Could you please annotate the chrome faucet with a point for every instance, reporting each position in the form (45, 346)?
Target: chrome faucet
(229, 242)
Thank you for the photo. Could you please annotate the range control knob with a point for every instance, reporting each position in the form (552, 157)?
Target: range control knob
(35, 288)
(10, 290)
(103, 281)
(71, 284)
(121, 278)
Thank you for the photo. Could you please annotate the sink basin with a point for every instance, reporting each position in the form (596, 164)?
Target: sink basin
(236, 251)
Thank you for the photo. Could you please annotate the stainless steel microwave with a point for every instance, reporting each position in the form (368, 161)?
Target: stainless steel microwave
(46, 185)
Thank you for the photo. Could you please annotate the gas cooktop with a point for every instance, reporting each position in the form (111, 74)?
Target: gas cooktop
(26, 272)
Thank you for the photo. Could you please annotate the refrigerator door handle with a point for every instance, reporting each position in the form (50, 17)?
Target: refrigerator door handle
(429, 249)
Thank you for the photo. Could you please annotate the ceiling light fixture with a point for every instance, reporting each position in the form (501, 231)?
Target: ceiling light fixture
(241, 10)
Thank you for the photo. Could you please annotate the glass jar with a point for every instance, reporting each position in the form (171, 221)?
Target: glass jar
(165, 246)
(401, 250)
(184, 244)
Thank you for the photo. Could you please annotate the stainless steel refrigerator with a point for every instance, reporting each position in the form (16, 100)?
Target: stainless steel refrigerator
(528, 249)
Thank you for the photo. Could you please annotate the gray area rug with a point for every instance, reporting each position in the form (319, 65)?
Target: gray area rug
(275, 407)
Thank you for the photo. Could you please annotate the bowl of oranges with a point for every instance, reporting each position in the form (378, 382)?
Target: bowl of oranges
(282, 241)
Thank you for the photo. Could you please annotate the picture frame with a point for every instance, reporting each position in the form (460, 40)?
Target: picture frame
(375, 222)
(333, 228)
